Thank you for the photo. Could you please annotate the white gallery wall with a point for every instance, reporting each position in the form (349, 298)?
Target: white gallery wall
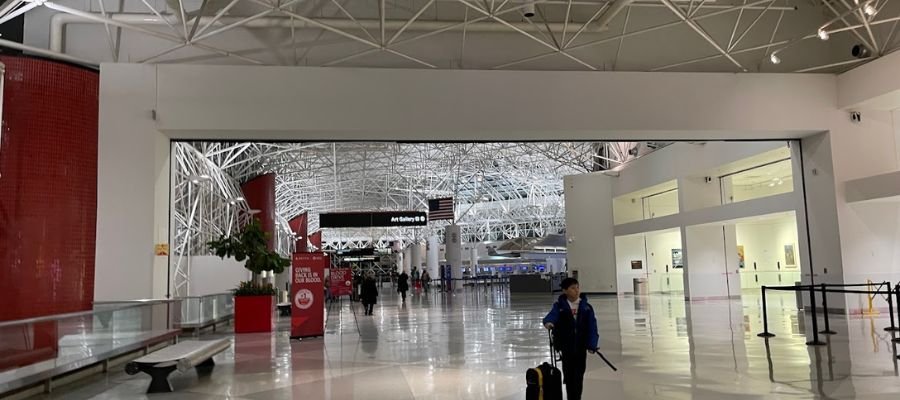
(711, 262)
(266, 103)
(211, 274)
(630, 248)
(700, 206)
(131, 217)
(590, 241)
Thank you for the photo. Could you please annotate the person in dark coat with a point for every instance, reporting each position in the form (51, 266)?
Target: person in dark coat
(369, 293)
(403, 284)
(574, 328)
(426, 280)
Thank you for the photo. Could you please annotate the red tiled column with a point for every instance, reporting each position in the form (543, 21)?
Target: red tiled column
(48, 188)
(259, 193)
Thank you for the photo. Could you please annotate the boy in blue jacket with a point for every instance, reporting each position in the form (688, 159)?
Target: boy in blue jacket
(574, 328)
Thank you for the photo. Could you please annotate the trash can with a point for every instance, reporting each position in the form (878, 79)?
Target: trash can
(640, 286)
(799, 294)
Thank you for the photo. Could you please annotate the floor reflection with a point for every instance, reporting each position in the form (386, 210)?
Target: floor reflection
(477, 344)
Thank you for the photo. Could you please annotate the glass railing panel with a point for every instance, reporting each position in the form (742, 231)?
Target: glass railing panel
(33, 348)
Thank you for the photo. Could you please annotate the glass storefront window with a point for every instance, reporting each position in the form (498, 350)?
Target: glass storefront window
(661, 204)
(762, 181)
(651, 202)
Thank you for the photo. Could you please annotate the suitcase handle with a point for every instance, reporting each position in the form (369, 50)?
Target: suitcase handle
(552, 349)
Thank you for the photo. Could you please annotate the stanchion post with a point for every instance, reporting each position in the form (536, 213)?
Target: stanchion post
(815, 318)
(890, 300)
(765, 314)
(827, 330)
(896, 293)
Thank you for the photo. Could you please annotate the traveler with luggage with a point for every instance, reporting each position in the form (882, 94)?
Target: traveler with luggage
(574, 333)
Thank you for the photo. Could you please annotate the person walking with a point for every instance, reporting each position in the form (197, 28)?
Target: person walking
(417, 284)
(574, 328)
(403, 284)
(426, 280)
(369, 293)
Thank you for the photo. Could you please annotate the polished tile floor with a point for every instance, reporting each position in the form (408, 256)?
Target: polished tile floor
(478, 344)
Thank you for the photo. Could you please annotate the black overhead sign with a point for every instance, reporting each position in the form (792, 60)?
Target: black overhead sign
(373, 219)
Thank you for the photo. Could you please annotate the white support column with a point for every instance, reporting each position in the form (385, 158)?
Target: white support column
(129, 209)
(589, 231)
(820, 247)
(454, 254)
(415, 260)
(406, 262)
(432, 247)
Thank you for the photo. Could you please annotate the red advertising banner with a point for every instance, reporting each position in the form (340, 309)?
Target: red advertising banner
(341, 282)
(300, 226)
(315, 239)
(308, 295)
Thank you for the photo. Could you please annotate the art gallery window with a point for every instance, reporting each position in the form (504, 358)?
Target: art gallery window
(768, 250)
(766, 175)
(653, 202)
(655, 256)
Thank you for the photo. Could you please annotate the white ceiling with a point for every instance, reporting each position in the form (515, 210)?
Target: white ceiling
(645, 35)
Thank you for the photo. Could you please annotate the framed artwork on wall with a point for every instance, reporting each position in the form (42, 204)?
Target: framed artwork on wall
(789, 260)
(740, 250)
(677, 259)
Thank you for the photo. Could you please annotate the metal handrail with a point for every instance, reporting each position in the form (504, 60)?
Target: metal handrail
(206, 295)
(54, 317)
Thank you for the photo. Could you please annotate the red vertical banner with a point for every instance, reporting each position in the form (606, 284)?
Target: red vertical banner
(300, 226)
(340, 282)
(308, 295)
(315, 239)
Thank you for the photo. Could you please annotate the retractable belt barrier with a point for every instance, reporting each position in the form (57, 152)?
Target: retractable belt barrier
(884, 288)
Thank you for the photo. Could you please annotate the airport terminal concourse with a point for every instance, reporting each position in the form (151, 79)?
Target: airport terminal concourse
(449, 199)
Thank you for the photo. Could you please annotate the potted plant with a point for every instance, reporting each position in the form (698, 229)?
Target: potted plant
(253, 300)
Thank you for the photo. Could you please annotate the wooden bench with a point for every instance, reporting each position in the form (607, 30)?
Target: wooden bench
(182, 356)
(284, 309)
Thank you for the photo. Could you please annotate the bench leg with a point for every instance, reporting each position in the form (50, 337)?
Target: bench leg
(159, 379)
(206, 367)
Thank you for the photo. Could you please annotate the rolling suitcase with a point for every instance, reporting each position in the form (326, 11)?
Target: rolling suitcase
(545, 380)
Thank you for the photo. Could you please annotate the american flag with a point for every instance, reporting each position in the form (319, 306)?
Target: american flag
(439, 209)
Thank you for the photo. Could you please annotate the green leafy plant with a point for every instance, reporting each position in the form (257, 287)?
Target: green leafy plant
(248, 288)
(250, 245)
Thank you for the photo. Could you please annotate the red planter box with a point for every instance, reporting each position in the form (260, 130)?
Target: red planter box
(253, 313)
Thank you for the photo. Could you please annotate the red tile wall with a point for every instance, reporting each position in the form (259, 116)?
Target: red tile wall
(48, 188)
